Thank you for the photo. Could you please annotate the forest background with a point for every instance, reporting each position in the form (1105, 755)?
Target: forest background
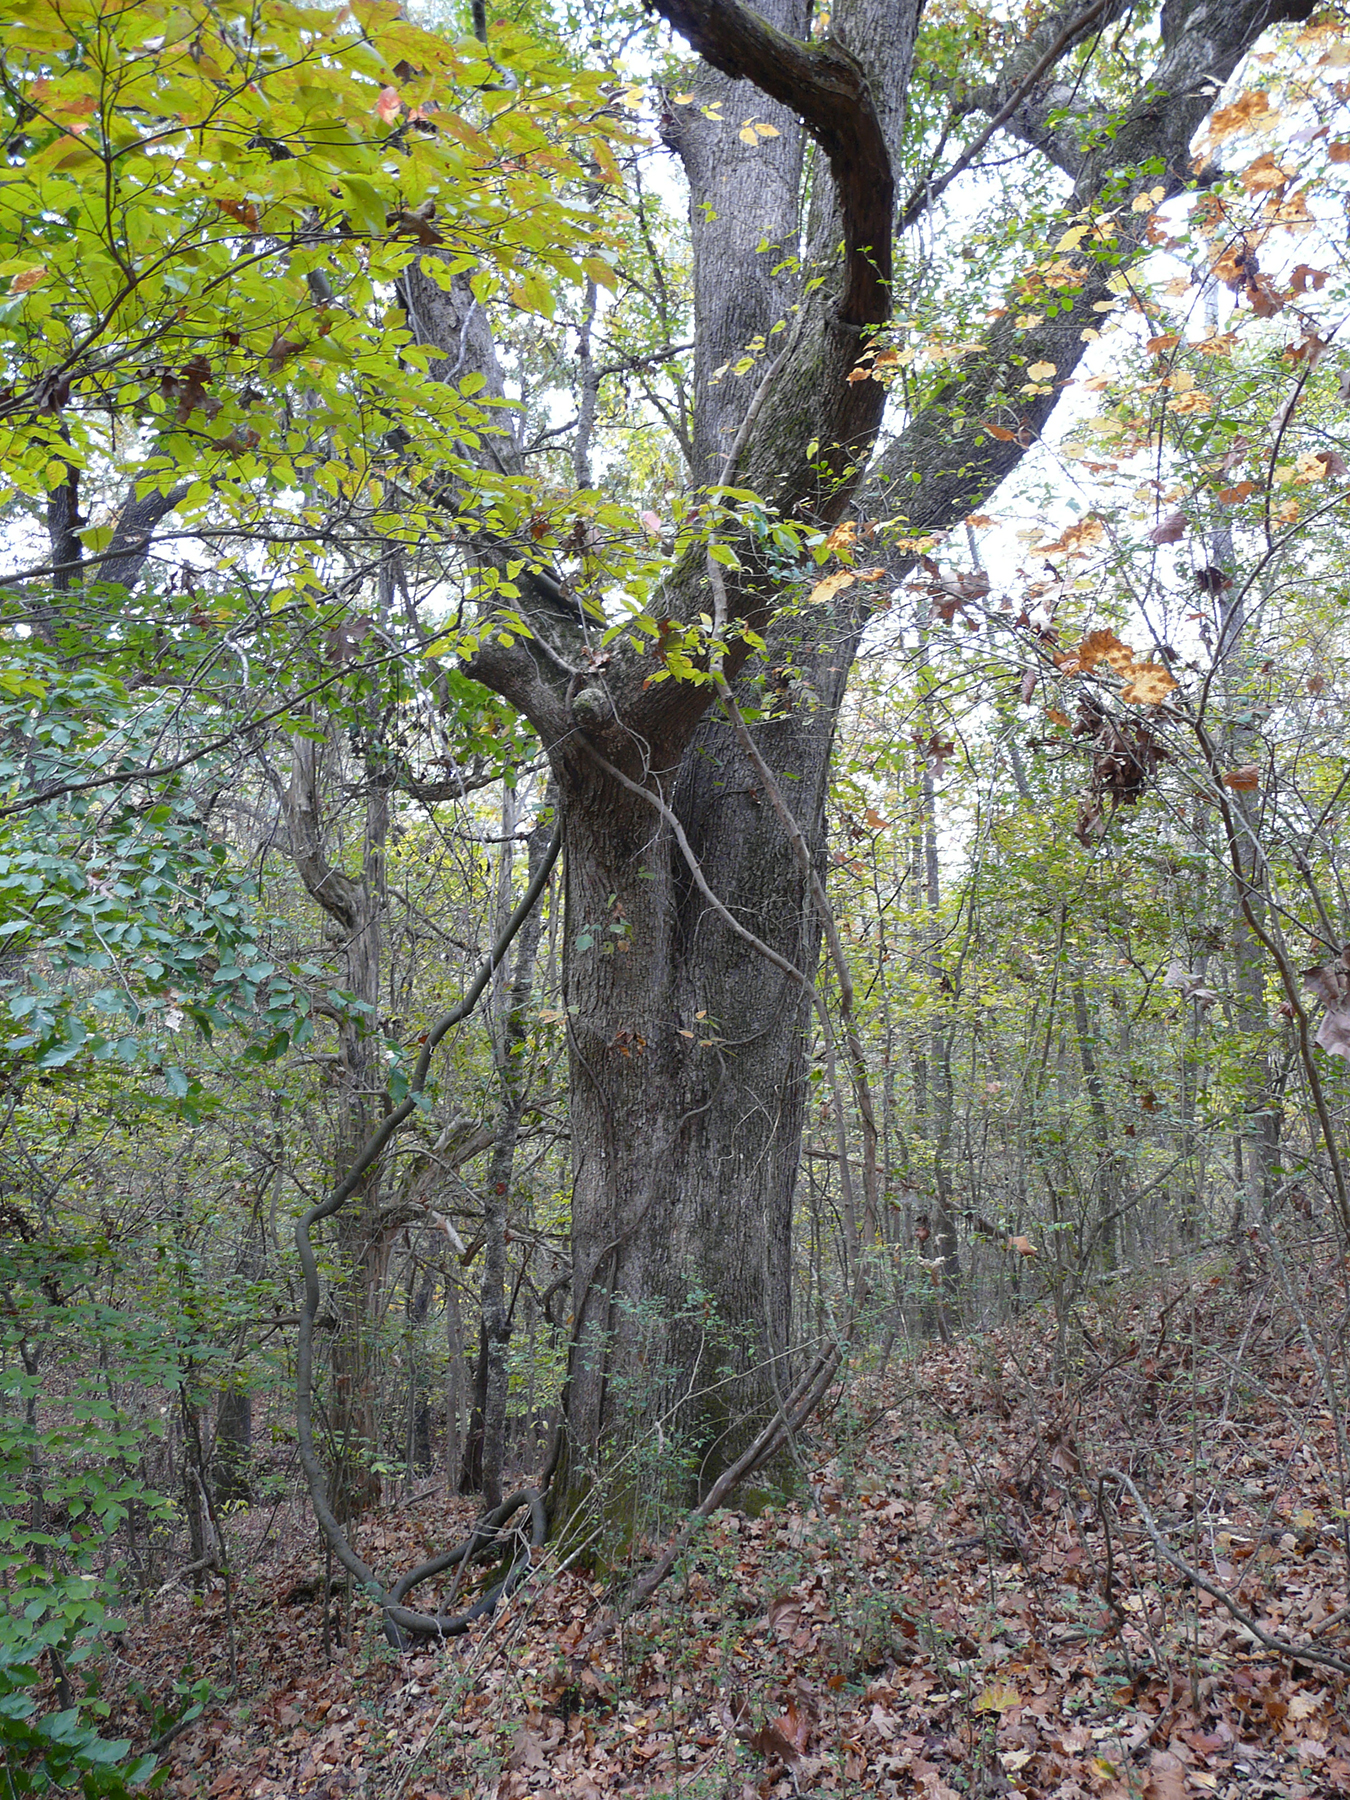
(609, 814)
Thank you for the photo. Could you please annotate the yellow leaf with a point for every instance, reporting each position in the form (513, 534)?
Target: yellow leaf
(832, 585)
(1041, 371)
(28, 278)
(747, 135)
(766, 131)
(999, 1697)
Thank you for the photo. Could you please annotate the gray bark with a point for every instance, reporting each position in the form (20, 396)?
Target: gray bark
(356, 906)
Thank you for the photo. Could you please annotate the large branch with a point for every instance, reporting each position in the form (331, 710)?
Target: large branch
(959, 463)
(827, 89)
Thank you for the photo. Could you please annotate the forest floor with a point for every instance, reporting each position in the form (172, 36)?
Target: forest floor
(965, 1602)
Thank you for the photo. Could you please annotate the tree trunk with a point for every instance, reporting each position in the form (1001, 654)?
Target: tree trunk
(355, 905)
(688, 1054)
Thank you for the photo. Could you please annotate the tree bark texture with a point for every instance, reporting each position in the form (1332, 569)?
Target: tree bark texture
(355, 904)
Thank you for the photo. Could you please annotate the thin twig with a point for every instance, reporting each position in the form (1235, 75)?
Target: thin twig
(1308, 1653)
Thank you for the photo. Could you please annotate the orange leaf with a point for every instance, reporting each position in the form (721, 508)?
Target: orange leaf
(1001, 432)
(1149, 684)
(1102, 646)
(1244, 779)
(1232, 495)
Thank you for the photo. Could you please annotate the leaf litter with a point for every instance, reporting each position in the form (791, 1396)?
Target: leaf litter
(959, 1603)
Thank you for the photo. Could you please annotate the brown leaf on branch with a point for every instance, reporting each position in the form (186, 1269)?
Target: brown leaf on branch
(1265, 176)
(415, 222)
(935, 750)
(1304, 278)
(1104, 646)
(1243, 780)
(1330, 983)
(1333, 1034)
(281, 350)
(1170, 530)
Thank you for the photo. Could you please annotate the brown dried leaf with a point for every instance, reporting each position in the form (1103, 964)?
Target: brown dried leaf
(1166, 1777)
(1326, 981)
(774, 1745)
(1333, 1034)
(281, 350)
(1252, 109)
(1304, 278)
(1170, 530)
(830, 586)
(1243, 780)
(1101, 646)
(1265, 175)
(785, 1615)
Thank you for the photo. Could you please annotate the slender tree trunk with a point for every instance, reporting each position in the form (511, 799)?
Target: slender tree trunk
(356, 906)
(512, 1043)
